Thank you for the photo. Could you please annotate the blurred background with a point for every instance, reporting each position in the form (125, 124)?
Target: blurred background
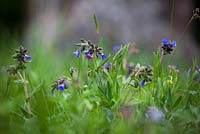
(61, 23)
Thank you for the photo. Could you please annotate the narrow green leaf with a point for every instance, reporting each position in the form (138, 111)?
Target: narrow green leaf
(109, 78)
(177, 101)
(121, 53)
(96, 23)
(100, 42)
(35, 90)
(25, 112)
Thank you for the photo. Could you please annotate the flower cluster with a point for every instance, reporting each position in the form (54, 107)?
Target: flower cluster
(60, 84)
(21, 57)
(197, 74)
(172, 68)
(197, 68)
(129, 67)
(11, 69)
(167, 46)
(89, 49)
(142, 74)
(196, 13)
(154, 114)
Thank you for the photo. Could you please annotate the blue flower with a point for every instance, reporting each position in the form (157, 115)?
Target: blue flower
(167, 46)
(173, 44)
(103, 56)
(165, 41)
(27, 57)
(106, 65)
(87, 52)
(61, 87)
(77, 53)
(116, 47)
(142, 83)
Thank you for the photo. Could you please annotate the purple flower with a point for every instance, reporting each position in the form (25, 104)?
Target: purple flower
(61, 87)
(77, 53)
(154, 114)
(165, 41)
(103, 56)
(116, 47)
(106, 65)
(142, 83)
(27, 57)
(89, 56)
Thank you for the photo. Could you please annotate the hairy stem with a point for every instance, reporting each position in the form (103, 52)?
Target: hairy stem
(95, 68)
(185, 29)
(127, 84)
(27, 95)
(181, 37)
(23, 78)
(161, 56)
(172, 18)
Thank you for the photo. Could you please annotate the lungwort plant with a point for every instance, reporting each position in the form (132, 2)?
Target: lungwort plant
(21, 58)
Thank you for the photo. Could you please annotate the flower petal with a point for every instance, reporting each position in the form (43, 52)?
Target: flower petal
(165, 41)
(103, 56)
(154, 114)
(142, 83)
(61, 87)
(173, 43)
(116, 47)
(106, 65)
(86, 52)
(89, 56)
(27, 57)
(77, 53)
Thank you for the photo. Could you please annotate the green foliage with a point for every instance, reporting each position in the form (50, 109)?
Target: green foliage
(100, 100)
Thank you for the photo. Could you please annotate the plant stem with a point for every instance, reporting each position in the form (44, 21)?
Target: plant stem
(23, 78)
(127, 84)
(161, 56)
(184, 31)
(95, 69)
(180, 39)
(172, 18)
(27, 95)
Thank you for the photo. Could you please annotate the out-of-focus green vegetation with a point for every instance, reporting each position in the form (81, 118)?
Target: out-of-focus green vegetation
(115, 106)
